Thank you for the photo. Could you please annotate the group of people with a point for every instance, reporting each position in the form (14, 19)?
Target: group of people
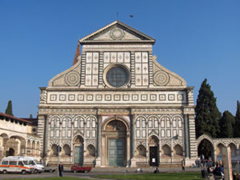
(218, 170)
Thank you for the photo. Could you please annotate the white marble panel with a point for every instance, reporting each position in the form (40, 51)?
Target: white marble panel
(106, 57)
(144, 57)
(156, 124)
(145, 80)
(89, 57)
(113, 57)
(163, 133)
(138, 80)
(138, 68)
(162, 124)
(138, 57)
(138, 125)
(144, 133)
(95, 57)
(174, 123)
(120, 57)
(145, 68)
(174, 132)
(168, 133)
(127, 57)
(88, 68)
(95, 69)
(138, 133)
(180, 132)
(95, 80)
(88, 80)
(179, 123)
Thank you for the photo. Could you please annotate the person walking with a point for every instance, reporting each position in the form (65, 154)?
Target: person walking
(60, 169)
(183, 164)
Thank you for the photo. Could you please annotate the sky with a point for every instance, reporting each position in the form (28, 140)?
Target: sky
(196, 39)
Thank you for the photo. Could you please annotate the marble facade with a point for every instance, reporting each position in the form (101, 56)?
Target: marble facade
(117, 106)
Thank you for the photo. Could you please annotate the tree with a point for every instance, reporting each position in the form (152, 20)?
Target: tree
(207, 113)
(237, 121)
(227, 123)
(9, 108)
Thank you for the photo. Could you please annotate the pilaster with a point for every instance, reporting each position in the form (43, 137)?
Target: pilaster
(150, 75)
(132, 69)
(83, 70)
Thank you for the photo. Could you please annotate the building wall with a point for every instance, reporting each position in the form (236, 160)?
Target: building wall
(18, 138)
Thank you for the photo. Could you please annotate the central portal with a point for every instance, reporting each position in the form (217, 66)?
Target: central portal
(115, 138)
(116, 152)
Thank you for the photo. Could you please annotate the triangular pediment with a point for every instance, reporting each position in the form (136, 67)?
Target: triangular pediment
(117, 32)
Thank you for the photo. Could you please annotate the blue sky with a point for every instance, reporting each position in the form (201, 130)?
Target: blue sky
(196, 39)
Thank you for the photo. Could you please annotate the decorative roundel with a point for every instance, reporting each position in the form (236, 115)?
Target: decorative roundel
(72, 78)
(161, 78)
(117, 34)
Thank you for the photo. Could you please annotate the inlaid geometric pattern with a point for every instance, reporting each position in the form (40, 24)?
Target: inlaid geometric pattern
(62, 97)
(91, 77)
(71, 97)
(72, 78)
(123, 97)
(161, 78)
(141, 68)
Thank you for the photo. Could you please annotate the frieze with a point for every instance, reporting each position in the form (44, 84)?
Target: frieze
(175, 97)
(118, 46)
(116, 111)
(134, 111)
(74, 110)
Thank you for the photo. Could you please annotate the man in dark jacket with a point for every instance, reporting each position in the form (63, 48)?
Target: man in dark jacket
(60, 169)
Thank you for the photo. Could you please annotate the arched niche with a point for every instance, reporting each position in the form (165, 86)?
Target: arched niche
(233, 149)
(91, 151)
(67, 150)
(166, 151)
(219, 149)
(141, 151)
(178, 151)
(54, 150)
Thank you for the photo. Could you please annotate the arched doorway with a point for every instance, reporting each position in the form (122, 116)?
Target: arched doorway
(205, 150)
(78, 150)
(153, 151)
(115, 140)
(10, 152)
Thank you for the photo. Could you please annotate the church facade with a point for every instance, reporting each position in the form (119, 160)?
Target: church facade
(117, 106)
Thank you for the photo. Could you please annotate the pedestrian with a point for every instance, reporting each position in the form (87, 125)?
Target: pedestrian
(156, 170)
(60, 169)
(183, 164)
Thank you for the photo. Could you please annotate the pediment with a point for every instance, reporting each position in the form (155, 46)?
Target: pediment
(117, 32)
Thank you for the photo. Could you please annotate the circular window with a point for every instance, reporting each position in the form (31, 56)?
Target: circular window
(117, 76)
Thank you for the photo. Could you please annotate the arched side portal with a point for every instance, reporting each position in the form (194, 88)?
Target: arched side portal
(153, 150)
(114, 143)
